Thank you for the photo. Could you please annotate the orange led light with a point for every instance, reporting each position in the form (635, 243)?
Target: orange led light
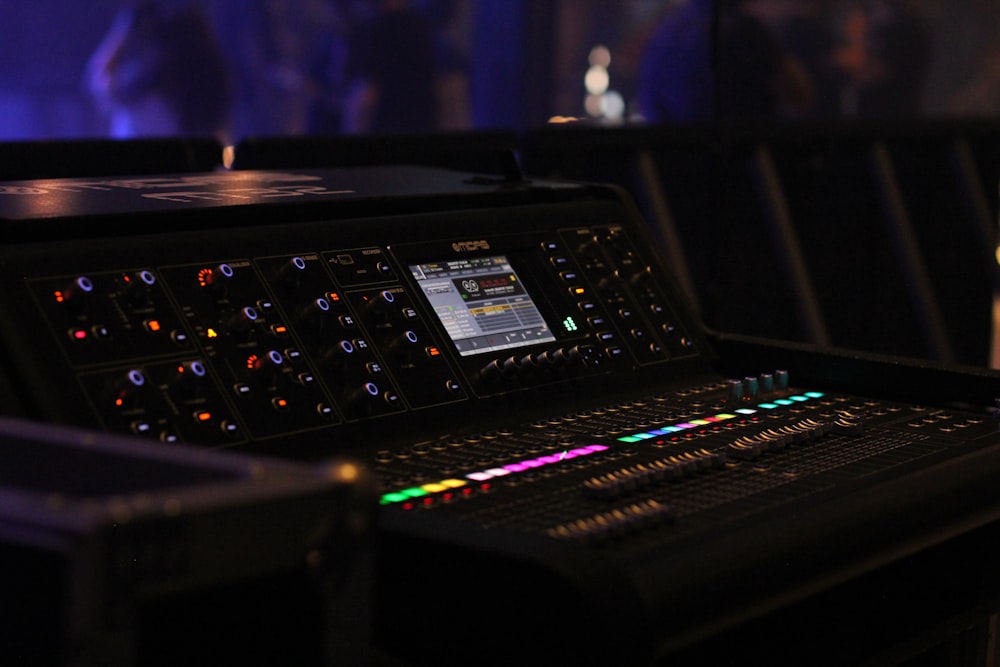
(252, 361)
(433, 351)
(203, 416)
(333, 296)
(153, 325)
(59, 296)
(212, 333)
(205, 277)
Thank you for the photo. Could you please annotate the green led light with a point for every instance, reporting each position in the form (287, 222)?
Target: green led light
(570, 324)
(629, 438)
(393, 498)
(414, 492)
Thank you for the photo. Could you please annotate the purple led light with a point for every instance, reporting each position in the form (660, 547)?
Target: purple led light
(515, 467)
(597, 448)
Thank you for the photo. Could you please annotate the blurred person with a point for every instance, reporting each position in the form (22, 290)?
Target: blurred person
(391, 70)
(885, 56)
(159, 72)
(807, 30)
(685, 76)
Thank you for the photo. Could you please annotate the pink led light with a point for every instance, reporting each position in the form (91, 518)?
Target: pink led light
(597, 448)
(580, 451)
(480, 476)
(515, 467)
(498, 472)
(552, 458)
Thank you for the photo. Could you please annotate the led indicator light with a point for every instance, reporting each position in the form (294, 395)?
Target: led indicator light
(768, 406)
(815, 394)
(784, 401)
(79, 334)
(212, 333)
(203, 416)
(152, 325)
(570, 324)
(747, 411)
(799, 399)
(59, 296)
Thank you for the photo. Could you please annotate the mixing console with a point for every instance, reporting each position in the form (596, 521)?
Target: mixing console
(552, 429)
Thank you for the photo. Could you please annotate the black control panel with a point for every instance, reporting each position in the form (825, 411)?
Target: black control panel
(552, 430)
(299, 336)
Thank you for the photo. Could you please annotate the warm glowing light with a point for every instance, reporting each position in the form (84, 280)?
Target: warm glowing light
(203, 416)
(205, 277)
(252, 361)
(597, 80)
(212, 333)
(60, 297)
(153, 325)
(228, 156)
(600, 56)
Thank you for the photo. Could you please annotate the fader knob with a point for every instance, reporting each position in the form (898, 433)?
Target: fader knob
(766, 383)
(781, 380)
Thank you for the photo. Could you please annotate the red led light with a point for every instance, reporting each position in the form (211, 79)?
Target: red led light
(408, 506)
(333, 296)
(80, 334)
(59, 296)
(253, 361)
(428, 501)
(448, 496)
(486, 486)
(153, 325)
(205, 277)
(203, 416)
(467, 491)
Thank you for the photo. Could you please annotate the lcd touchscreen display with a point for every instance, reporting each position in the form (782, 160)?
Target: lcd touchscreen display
(482, 304)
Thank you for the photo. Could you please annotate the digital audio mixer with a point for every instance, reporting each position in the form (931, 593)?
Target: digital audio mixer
(570, 466)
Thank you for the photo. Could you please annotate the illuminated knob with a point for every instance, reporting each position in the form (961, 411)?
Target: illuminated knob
(215, 279)
(405, 344)
(135, 288)
(242, 324)
(371, 391)
(317, 312)
(382, 305)
(291, 272)
(188, 374)
(129, 388)
(74, 295)
(268, 366)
